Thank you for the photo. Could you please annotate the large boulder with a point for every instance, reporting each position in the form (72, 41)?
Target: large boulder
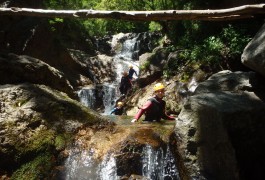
(152, 66)
(221, 128)
(36, 124)
(16, 69)
(254, 53)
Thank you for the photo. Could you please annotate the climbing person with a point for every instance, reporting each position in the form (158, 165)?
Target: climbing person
(154, 108)
(118, 109)
(132, 72)
(125, 84)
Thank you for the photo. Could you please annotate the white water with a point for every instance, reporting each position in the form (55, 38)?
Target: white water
(157, 164)
(87, 97)
(110, 92)
(122, 60)
(192, 85)
(80, 165)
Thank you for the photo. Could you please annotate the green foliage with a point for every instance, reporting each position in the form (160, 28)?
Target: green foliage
(53, 23)
(235, 40)
(63, 4)
(206, 42)
(39, 168)
(154, 26)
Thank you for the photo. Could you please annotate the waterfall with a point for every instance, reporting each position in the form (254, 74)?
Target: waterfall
(192, 85)
(159, 164)
(108, 169)
(109, 97)
(87, 97)
(125, 56)
(81, 165)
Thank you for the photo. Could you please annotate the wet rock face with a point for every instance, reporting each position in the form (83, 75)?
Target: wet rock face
(221, 126)
(36, 119)
(254, 53)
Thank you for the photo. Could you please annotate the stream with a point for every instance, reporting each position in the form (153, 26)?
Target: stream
(154, 162)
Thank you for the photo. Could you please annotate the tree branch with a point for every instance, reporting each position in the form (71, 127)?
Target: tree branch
(241, 12)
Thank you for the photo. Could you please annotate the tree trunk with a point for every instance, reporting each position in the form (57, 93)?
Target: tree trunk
(241, 12)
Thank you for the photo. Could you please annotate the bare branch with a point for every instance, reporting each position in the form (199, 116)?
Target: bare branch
(241, 12)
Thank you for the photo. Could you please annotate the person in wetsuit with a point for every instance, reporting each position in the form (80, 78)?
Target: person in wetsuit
(154, 109)
(132, 72)
(118, 110)
(125, 84)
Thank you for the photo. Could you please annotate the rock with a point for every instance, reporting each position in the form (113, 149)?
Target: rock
(220, 129)
(17, 69)
(254, 53)
(38, 120)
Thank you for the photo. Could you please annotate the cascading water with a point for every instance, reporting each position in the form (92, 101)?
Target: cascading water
(109, 96)
(87, 97)
(192, 85)
(124, 58)
(157, 164)
(80, 165)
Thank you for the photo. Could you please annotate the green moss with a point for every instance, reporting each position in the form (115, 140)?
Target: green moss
(38, 168)
(185, 77)
(61, 141)
(40, 141)
(145, 66)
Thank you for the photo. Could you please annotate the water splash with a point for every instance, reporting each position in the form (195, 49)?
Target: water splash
(159, 164)
(81, 165)
(192, 85)
(87, 97)
(108, 169)
(110, 92)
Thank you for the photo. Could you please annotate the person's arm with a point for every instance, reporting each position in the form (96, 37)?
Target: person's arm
(147, 105)
(167, 117)
(135, 73)
(113, 110)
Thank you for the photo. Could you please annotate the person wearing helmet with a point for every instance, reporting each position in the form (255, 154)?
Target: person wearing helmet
(154, 109)
(131, 72)
(125, 84)
(118, 110)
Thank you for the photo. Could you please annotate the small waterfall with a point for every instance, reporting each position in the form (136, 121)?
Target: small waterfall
(80, 165)
(159, 164)
(109, 97)
(129, 50)
(123, 59)
(192, 85)
(125, 56)
(87, 97)
(108, 169)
